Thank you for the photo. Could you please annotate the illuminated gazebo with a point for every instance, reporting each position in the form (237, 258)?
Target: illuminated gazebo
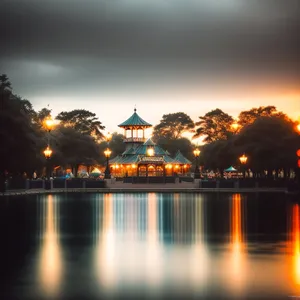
(142, 157)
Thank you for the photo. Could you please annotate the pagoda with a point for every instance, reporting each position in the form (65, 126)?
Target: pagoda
(144, 158)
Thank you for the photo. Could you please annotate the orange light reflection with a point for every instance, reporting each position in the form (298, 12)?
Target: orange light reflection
(295, 243)
(50, 264)
(237, 246)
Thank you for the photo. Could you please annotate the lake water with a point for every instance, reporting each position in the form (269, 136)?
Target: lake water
(150, 246)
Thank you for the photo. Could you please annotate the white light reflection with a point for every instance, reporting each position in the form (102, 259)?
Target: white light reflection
(199, 258)
(154, 256)
(50, 262)
(105, 250)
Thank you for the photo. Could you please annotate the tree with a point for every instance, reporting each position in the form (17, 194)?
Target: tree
(249, 116)
(270, 142)
(5, 84)
(73, 148)
(172, 126)
(214, 126)
(82, 121)
(19, 151)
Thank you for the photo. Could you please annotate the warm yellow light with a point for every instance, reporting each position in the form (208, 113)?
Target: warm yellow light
(108, 136)
(197, 152)
(243, 159)
(185, 166)
(48, 152)
(133, 166)
(49, 123)
(298, 127)
(107, 152)
(150, 152)
(117, 166)
(235, 126)
(176, 167)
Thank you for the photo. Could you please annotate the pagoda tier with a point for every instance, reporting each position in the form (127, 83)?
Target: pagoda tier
(133, 137)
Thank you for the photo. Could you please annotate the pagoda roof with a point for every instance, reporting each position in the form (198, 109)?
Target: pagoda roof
(180, 158)
(149, 142)
(135, 120)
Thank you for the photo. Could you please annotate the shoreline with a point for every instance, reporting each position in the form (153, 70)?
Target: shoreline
(142, 190)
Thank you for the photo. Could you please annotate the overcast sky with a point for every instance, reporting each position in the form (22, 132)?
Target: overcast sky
(161, 55)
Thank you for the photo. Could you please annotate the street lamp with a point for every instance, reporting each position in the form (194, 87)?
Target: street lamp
(49, 123)
(243, 159)
(107, 154)
(235, 126)
(197, 172)
(48, 153)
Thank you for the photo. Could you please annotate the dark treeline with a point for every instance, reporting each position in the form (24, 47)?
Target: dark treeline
(267, 136)
(77, 139)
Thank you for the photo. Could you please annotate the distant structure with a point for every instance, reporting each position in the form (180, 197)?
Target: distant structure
(143, 158)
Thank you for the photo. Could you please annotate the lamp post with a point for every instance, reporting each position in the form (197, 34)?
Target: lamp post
(48, 153)
(197, 172)
(243, 159)
(48, 123)
(107, 154)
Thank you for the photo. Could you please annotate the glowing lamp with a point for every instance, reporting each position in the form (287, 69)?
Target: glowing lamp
(48, 152)
(150, 152)
(243, 159)
(176, 167)
(196, 152)
(235, 126)
(298, 152)
(133, 166)
(107, 152)
(49, 123)
(298, 127)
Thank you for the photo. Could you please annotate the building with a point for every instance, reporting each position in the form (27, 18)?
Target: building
(142, 157)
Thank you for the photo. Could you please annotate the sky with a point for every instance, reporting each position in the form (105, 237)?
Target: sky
(162, 56)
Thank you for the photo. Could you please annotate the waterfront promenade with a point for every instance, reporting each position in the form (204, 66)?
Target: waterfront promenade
(120, 187)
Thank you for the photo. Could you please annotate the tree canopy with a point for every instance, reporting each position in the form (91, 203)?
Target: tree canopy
(214, 126)
(172, 126)
(249, 116)
(82, 121)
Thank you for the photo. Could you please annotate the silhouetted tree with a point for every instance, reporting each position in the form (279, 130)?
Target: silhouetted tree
(249, 116)
(214, 126)
(82, 121)
(172, 126)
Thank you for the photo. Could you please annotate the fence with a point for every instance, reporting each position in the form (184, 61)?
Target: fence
(20, 183)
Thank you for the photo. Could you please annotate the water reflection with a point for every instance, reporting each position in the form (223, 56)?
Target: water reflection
(153, 245)
(105, 247)
(50, 261)
(132, 248)
(295, 242)
(237, 263)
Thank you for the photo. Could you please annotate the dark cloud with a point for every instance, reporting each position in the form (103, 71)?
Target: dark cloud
(70, 44)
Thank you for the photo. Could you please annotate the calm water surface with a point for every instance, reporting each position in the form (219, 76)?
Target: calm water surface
(149, 245)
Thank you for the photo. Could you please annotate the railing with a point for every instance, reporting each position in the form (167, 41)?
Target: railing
(134, 140)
